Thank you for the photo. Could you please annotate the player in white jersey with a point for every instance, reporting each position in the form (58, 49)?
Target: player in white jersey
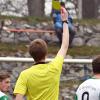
(4, 84)
(90, 89)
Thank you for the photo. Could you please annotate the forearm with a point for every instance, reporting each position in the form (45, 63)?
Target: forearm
(65, 37)
(65, 40)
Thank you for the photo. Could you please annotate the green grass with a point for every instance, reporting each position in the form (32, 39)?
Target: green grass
(52, 49)
(84, 51)
(88, 21)
(6, 48)
(28, 19)
(77, 51)
(32, 19)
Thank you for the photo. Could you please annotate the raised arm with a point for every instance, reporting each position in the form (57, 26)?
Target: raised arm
(65, 36)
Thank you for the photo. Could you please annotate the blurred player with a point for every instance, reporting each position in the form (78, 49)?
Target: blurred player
(4, 84)
(90, 89)
(58, 26)
(41, 81)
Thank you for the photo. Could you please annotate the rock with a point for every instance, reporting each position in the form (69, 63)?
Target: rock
(44, 24)
(4, 34)
(94, 42)
(33, 36)
(11, 35)
(68, 57)
(7, 40)
(27, 26)
(27, 54)
(39, 26)
(47, 37)
(88, 30)
(96, 28)
(7, 22)
(78, 41)
(24, 39)
(54, 39)
(7, 66)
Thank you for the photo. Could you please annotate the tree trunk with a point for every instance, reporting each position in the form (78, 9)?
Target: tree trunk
(36, 7)
(90, 8)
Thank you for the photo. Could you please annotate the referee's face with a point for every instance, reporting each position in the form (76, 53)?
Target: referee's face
(5, 84)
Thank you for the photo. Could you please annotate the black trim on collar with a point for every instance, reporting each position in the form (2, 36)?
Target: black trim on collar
(39, 63)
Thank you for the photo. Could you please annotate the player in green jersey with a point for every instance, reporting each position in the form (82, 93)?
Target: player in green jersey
(4, 84)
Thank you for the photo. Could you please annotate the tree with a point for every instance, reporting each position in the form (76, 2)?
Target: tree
(36, 7)
(90, 8)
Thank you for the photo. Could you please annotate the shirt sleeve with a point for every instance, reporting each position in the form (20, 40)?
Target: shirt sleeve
(4, 98)
(56, 64)
(75, 97)
(21, 85)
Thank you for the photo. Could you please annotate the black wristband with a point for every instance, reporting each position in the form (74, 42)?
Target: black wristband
(65, 21)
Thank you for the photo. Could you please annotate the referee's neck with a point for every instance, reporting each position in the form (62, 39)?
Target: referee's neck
(40, 61)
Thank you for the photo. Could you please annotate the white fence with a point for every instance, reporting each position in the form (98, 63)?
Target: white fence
(18, 59)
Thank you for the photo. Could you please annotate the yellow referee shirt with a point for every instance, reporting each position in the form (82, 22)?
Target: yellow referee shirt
(41, 81)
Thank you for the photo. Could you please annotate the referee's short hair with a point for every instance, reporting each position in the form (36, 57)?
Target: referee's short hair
(96, 65)
(38, 49)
